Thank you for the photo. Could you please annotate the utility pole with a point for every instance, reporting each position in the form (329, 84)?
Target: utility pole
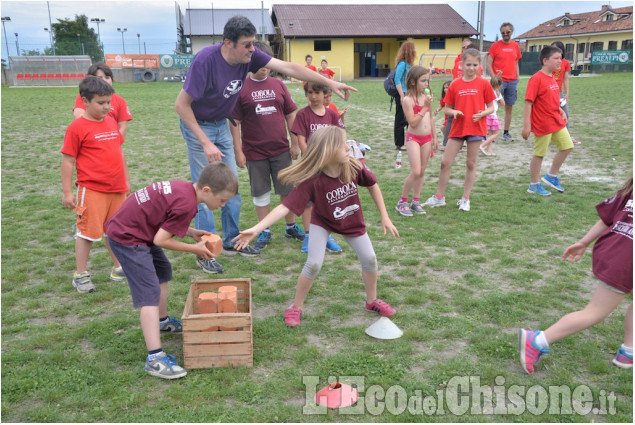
(51, 27)
(123, 45)
(482, 22)
(6, 41)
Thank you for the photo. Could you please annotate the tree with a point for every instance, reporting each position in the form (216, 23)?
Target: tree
(35, 52)
(75, 37)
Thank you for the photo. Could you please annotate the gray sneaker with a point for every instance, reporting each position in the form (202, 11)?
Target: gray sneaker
(434, 202)
(248, 251)
(209, 266)
(507, 137)
(464, 204)
(82, 282)
(165, 367)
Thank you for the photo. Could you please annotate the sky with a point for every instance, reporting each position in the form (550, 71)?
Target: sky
(155, 21)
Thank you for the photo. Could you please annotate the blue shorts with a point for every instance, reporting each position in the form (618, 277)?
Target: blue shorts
(510, 92)
(145, 268)
(469, 138)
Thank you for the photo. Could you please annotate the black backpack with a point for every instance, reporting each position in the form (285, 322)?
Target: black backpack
(389, 84)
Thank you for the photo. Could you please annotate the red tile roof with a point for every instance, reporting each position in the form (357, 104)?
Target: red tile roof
(583, 23)
(332, 21)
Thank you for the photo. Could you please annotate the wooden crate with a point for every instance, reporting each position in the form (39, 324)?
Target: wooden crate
(223, 348)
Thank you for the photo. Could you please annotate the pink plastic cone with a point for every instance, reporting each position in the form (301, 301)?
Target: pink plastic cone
(336, 395)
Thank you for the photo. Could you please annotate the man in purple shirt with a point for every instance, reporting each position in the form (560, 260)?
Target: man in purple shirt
(208, 97)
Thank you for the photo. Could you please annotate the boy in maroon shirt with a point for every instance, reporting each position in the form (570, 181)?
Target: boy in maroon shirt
(545, 118)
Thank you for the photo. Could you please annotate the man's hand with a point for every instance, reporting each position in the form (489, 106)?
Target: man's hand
(212, 152)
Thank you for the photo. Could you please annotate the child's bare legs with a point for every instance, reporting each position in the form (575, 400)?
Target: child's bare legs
(306, 219)
(603, 302)
(302, 289)
(534, 168)
(115, 262)
(418, 157)
(491, 136)
(470, 168)
(558, 160)
(449, 155)
(82, 249)
(370, 285)
(149, 317)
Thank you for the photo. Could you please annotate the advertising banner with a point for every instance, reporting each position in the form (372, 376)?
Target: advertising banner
(132, 61)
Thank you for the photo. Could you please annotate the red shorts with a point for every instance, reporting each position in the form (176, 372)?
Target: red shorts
(93, 210)
(421, 139)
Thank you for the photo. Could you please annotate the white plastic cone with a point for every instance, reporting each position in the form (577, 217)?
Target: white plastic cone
(384, 329)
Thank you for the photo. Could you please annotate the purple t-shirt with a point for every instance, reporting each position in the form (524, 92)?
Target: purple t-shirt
(613, 251)
(308, 122)
(262, 107)
(214, 84)
(167, 205)
(336, 206)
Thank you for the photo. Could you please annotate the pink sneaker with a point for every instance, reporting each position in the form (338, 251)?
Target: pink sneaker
(292, 316)
(384, 309)
(529, 352)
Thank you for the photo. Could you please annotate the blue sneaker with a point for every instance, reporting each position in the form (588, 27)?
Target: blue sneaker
(538, 189)
(305, 243)
(172, 324)
(529, 352)
(262, 240)
(165, 367)
(623, 360)
(331, 245)
(294, 232)
(553, 182)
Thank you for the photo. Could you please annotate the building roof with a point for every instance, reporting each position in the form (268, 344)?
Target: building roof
(584, 23)
(372, 20)
(211, 22)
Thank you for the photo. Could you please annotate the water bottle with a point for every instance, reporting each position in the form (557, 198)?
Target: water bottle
(398, 160)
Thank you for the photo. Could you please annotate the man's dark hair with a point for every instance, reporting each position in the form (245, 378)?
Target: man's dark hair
(238, 26)
(92, 86)
(100, 66)
(547, 52)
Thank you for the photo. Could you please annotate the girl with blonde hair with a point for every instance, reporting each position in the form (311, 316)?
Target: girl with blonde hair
(327, 176)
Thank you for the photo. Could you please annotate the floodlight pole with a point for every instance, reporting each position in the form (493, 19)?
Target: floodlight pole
(139, 42)
(122, 42)
(98, 21)
(17, 45)
(6, 19)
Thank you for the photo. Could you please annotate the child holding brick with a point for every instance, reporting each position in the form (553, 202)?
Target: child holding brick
(145, 224)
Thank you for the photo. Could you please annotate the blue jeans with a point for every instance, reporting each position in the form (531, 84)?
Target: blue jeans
(510, 92)
(218, 133)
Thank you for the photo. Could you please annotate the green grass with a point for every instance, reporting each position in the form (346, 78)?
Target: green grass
(462, 283)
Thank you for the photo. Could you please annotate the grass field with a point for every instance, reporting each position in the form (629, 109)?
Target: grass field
(463, 283)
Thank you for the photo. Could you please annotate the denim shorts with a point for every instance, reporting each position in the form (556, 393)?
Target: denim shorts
(146, 267)
(510, 92)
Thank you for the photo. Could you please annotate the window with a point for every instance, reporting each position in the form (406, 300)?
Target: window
(627, 44)
(566, 23)
(437, 43)
(322, 45)
(581, 47)
(612, 45)
(598, 45)
(367, 47)
(568, 51)
(533, 48)
(608, 17)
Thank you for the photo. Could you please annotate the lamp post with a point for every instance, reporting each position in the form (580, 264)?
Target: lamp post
(51, 39)
(6, 19)
(122, 30)
(98, 21)
(81, 46)
(17, 45)
(139, 42)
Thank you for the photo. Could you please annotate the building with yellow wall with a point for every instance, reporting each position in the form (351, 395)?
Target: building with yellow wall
(584, 33)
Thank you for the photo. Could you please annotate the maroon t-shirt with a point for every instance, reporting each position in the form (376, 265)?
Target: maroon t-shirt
(336, 206)
(613, 251)
(167, 205)
(308, 122)
(262, 107)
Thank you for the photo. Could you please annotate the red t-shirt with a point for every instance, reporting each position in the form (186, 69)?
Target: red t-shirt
(336, 206)
(544, 93)
(469, 97)
(96, 147)
(505, 56)
(328, 72)
(262, 107)
(167, 205)
(613, 251)
(558, 74)
(333, 107)
(308, 122)
(118, 108)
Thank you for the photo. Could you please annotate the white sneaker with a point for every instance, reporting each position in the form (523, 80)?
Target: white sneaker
(464, 204)
(434, 202)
